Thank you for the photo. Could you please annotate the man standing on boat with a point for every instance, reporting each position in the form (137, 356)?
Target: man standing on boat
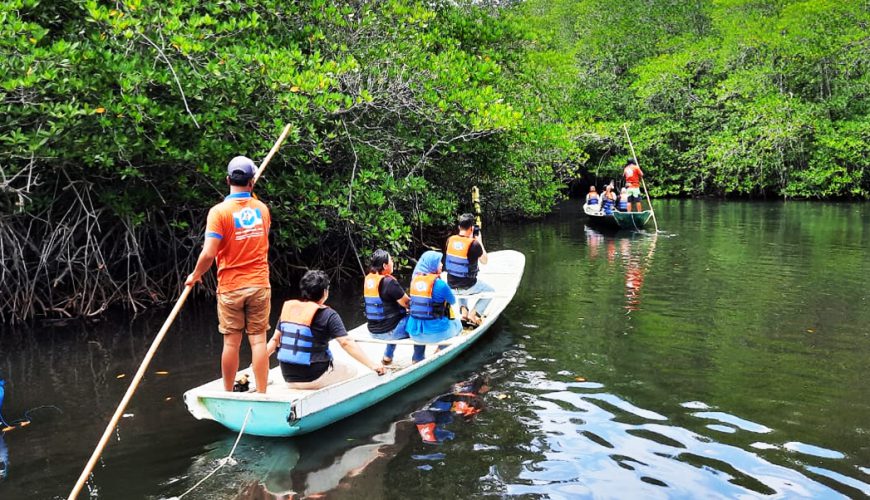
(464, 251)
(237, 238)
(633, 175)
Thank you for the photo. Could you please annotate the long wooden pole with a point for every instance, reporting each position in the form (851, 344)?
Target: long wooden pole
(134, 384)
(643, 182)
(129, 394)
(272, 152)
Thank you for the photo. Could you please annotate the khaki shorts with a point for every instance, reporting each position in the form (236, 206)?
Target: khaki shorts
(246, 309)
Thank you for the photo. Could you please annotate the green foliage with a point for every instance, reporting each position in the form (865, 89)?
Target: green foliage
(124, 114)
(732, 97)
(119, 117)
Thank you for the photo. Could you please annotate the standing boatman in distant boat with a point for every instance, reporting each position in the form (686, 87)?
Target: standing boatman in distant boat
(237, 238)
(633, 174)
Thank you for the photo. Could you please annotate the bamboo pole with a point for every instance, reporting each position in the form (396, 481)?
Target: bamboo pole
(129, 394)
(643, 182)
(272, 152)
(134, 384)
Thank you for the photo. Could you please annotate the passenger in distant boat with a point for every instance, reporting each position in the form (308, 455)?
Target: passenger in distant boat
(431, 319)
(237, 238)
(387, 305)
(608, 200)
(592, 196)
(302, 339)
(623, 200)
(464, 251)
(633, 175)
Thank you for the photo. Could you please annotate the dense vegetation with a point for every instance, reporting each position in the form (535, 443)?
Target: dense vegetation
(119, 117)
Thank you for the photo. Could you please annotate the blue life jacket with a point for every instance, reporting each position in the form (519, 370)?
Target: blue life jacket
(592, 201)
(423, 306)
(457, 263)
(297, 340)
(623, 204)
(608, 206)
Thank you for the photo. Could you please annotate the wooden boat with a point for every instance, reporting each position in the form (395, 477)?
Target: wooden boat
(282, 411)
(616, 220)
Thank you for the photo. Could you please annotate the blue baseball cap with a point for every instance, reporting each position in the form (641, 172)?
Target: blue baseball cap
(241, 168)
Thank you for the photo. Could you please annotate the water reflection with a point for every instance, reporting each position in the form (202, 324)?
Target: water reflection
(593, 443)
(4, 458)
(634, 251)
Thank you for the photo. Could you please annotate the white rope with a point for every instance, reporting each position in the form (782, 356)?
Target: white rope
(222, 461)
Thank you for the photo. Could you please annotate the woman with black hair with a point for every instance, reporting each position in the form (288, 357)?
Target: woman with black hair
(387, 306)
(302, 339)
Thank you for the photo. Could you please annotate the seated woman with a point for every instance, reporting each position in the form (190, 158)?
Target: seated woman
(386, 306)
(431, 297)
(623, 200)
(302, 339)
(592, 196)
(608, 200)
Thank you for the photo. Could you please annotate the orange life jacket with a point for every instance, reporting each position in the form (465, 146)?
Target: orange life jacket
(458, 263)
(423, 306)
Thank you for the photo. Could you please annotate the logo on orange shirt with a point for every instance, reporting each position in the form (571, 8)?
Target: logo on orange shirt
(248, 218)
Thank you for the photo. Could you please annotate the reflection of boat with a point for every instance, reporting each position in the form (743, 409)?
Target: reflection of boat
(616, 220)
(293, 477)
(289, 412)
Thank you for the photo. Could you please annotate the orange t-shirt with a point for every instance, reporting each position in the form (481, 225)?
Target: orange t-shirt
(242, 224)
(632, 175)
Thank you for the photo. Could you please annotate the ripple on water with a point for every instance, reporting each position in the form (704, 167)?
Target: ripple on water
(695, 405)
(808, 449)
(861, 486)
(586, 444)
(727, 429)
(738, 422)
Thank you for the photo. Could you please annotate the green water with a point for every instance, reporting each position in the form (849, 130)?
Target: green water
(723, 357)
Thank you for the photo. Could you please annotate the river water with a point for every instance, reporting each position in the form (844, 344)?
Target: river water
(724, 357)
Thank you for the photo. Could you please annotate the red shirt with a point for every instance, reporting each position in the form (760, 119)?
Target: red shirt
(633, 173)
(242, 224)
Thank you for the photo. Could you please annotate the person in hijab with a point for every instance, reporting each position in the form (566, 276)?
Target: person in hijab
(431, 319)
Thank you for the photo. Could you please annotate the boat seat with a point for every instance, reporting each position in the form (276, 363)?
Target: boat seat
(371, 340)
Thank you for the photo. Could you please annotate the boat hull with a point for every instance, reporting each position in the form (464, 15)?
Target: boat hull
(617, 220)
(284, 412)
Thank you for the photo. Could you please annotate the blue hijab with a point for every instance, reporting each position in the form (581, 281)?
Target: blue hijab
(428, 263)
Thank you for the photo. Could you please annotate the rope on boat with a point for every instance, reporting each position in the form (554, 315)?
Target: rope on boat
(222, 461)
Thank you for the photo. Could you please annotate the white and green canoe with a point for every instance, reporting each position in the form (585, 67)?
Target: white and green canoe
(282, 411)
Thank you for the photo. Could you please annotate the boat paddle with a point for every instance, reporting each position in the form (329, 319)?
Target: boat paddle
(643, 182)
(134, 384)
